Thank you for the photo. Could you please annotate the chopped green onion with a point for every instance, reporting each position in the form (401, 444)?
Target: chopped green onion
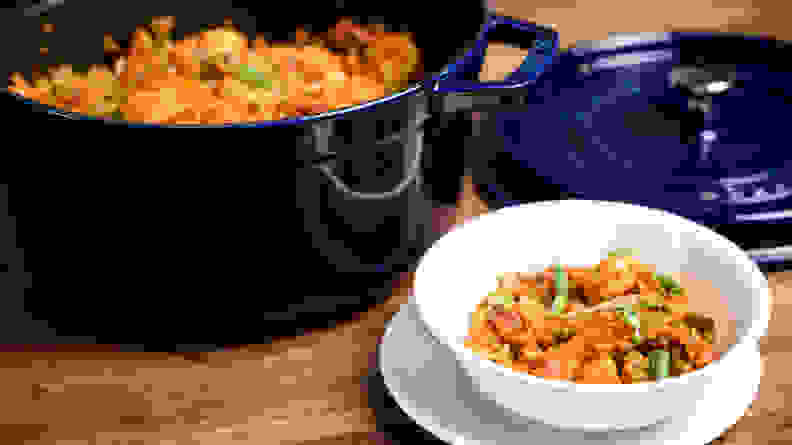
(622, 252)
(631, 317)
(668, 284)
(561, 285)
(495, 299)
(256, 79)
(659, 363)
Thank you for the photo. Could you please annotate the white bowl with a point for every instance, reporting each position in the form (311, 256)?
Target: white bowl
(460, 268)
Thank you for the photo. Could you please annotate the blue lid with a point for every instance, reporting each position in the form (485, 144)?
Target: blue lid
(689, 122)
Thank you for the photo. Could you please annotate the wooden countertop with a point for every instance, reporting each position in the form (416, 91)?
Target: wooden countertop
(306, 390)
(309, 389)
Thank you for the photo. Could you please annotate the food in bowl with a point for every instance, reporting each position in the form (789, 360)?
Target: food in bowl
(217, 76)
(524, 324)
(719, 278)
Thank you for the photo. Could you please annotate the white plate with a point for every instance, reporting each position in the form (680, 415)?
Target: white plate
(425, 380)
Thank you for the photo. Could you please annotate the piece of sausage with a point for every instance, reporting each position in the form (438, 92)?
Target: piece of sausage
(508, 322)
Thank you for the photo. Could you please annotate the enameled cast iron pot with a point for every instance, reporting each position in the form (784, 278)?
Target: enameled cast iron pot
(200, 238)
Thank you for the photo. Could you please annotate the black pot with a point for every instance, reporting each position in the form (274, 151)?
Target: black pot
(196, 239)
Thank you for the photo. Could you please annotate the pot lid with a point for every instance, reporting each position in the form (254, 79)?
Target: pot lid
(690, 122)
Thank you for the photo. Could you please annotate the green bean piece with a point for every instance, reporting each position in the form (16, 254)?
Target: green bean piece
(622, 252)
(659, 363)
(631, 317)
(668, 284)
(562, 289)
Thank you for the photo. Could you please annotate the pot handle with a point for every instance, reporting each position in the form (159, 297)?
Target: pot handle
(335, 249)
(451, 92)
(321, 132)
(41, 7)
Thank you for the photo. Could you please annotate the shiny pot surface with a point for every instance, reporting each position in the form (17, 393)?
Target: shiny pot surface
(198, 238)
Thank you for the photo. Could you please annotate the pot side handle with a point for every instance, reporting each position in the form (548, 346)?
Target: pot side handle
(451, 92)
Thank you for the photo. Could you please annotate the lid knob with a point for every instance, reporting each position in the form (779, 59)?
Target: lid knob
(700, 84)
(703, 81)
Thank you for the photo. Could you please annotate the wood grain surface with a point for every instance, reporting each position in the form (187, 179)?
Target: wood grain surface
(309, 390)
(306, 390)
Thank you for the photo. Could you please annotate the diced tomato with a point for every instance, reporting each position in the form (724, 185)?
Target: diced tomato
(346, 27)
(508, 322)
(706, 357)
(551, 369)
